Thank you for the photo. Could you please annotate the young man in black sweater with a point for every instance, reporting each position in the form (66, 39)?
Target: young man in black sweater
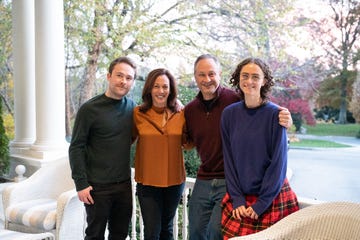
(99, 154)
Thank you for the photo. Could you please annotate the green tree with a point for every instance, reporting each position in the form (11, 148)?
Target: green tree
(330, 93)
(6, 71)
(347, 20)
(339, 35)
(354, 105)
(246, 28)
(97, 32)
(150, 31)
(4, 145)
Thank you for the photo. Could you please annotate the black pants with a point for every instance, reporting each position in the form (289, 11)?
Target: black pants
(112, 206)
(158, 208)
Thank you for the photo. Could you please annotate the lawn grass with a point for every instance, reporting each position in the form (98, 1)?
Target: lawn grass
(326, 129)
(314, 143)
(331, 129)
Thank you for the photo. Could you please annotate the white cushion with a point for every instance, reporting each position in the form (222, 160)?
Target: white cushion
(39, 213)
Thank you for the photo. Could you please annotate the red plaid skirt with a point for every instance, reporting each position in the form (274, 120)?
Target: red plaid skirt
(284, 204)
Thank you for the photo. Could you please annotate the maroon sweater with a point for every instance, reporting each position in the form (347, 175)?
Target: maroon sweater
(203, 125)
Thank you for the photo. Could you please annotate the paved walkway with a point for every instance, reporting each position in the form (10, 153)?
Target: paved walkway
(328, 174)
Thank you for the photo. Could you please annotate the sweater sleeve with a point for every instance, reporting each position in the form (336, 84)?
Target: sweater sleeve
(77, 149)
(135, 131)
(186, 141)
(275, 174)
(231, 176)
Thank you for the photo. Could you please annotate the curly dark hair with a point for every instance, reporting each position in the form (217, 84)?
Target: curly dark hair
(149, 84)
(265, 90)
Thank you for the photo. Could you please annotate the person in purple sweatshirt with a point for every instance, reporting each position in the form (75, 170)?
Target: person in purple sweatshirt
(255, 155)
(202, 116)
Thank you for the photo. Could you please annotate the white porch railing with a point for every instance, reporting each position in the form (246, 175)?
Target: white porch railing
(180, 220)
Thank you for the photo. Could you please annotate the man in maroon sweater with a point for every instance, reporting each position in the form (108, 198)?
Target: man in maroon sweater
(203, 124)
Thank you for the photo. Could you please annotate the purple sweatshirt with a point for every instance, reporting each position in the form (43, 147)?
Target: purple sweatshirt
(255, 153)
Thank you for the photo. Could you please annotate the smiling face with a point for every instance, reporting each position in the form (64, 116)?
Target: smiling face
(160, 91)
(207, 76)
(251, 80)
(120, 80)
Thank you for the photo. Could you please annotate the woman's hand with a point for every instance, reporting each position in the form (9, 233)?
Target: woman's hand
(251, 213)
(242, 212)
(239, 212)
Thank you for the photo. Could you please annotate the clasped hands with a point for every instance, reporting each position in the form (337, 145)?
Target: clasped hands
(242, 212)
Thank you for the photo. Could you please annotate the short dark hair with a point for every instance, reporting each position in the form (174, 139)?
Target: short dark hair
(207, 56)
(149, 84)
(122, 60)
(264, 91)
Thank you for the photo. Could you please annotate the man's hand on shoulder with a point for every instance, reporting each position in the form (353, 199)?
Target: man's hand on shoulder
(285, 118)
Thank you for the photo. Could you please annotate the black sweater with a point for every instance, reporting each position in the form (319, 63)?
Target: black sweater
(100, 146)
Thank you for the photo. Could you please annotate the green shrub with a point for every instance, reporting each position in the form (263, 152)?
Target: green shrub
(297, 120)
(192, 162)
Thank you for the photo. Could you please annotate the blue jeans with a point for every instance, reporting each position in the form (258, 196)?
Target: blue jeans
(112, 206)
(205, 210)
(158, 206)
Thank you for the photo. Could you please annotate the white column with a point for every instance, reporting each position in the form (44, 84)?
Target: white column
(24, 73)
(50, 79)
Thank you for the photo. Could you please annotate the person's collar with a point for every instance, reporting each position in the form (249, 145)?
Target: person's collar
(158, 109)
(112, 99)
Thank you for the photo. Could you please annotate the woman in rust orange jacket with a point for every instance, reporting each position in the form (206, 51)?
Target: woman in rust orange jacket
(159, 162)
